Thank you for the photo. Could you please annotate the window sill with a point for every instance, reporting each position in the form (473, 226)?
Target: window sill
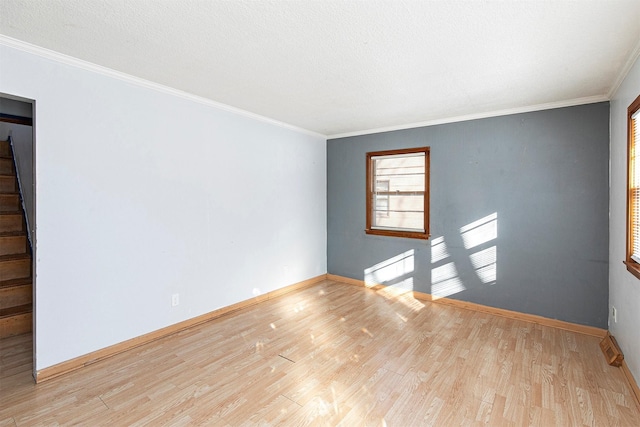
(633, 268)
(393, 233)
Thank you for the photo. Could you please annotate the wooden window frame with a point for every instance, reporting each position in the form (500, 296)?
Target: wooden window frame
(371, 183)
(632, 266)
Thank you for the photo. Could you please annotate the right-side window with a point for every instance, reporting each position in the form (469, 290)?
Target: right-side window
(633, 189)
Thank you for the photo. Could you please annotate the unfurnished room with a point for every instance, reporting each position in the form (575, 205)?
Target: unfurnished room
(322, 213)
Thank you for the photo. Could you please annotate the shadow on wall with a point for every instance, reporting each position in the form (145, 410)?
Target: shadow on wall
(479, 239)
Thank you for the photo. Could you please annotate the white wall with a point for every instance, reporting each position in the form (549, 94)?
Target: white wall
(142, 194)
(624, 288)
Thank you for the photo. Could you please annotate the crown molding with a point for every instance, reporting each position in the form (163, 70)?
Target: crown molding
(635, 54)
(88, 66)
(497, 113)
(108, 72)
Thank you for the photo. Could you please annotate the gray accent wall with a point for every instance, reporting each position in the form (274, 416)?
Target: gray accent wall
(518, 213)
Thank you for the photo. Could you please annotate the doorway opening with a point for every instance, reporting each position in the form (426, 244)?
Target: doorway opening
(17, 231)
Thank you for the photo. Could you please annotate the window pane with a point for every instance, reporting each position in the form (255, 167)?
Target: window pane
(398, 198)
(634, 191)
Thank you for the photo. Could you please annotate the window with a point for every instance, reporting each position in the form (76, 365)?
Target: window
(398, 193)
(382, 198)
(633, 189)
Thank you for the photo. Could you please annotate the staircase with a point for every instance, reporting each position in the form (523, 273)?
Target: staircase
(15, 252)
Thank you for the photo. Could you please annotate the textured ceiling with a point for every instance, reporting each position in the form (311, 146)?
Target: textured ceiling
(339, 67)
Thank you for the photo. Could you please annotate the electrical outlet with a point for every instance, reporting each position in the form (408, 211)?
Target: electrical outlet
(614, 314)
(175, 300)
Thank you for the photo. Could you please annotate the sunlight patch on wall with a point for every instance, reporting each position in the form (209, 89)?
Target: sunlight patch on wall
(438, 249)
(403, 293)
(485, 264)
(390, 269)
(393, 273)
(445, 281)
(480, 231)
(398, 288)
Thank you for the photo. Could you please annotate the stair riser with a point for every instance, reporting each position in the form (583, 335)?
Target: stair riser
(13, 245)
(9, 203)
(5, 149)
(15, 325)
(8, 184)
(15, 296)
(6, 166)
(10, 223)
(15, 269)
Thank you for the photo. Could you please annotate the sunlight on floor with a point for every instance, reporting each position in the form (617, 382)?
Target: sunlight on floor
(392, 273)
(390, 269)
(403, 293)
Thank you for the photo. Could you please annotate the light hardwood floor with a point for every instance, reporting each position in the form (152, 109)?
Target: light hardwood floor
(333, 354)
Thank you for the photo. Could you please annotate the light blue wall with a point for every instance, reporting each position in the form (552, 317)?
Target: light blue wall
(540, 182)
(624, 288)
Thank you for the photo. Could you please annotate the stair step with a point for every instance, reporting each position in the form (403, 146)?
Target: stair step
(11, 221)
(13, 233)
(12, 243)
(6, 166)
(15, 262)
(12, 311)
(16, 295)
(15, 282)
(8, 184)
(10, 202)
(15, 266)
(5, 148)
(15, 320)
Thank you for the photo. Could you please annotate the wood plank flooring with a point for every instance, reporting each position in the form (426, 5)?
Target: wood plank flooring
(333, 354)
